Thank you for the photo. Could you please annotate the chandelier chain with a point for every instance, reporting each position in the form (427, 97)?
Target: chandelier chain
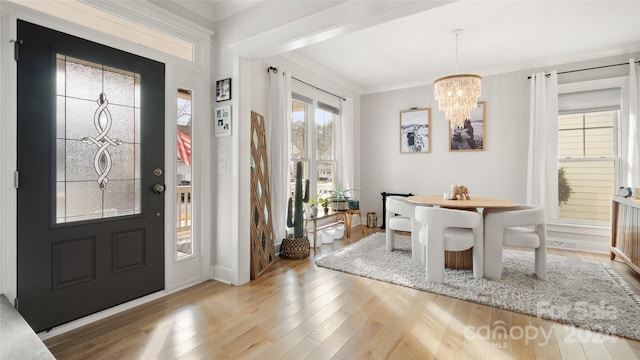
(457, 33)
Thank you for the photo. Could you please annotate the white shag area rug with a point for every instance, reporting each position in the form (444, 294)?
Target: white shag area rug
(584, 293)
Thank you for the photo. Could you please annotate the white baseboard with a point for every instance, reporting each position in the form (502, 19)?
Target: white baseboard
(222, 274)
(595, 244)
(183, 285)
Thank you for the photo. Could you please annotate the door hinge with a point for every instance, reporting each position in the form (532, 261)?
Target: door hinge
(16, 179)
(16, 49)
(16, 304)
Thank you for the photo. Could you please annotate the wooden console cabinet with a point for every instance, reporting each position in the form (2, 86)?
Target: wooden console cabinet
(625, 231)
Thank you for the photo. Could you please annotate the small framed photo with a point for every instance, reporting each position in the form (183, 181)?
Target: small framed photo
(222, 117)
(472, 137)
(415, 131)
(223, 90)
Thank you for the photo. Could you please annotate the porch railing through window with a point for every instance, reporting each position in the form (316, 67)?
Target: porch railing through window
(184, 212)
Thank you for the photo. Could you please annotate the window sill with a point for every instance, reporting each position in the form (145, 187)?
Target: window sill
(583, 229)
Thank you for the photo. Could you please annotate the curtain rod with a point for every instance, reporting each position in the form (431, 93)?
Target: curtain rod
(275, 71)
(591, 68)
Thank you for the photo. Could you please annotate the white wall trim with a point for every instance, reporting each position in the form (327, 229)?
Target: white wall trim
(157, 18)
(241, 158)
(579, 229)
(594, 245)
(223, 274)
(335, 21)
(191, 269)
(8, 158)
(147, 14)
(68, 27)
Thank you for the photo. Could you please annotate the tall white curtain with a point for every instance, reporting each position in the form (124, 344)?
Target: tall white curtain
(542, 166)
(278, 148)
(346, 144)
(631, 137)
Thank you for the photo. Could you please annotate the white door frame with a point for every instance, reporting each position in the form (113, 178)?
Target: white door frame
(175, 69)
(182, 273)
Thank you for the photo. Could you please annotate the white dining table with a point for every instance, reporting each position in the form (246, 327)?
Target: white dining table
(474, 202)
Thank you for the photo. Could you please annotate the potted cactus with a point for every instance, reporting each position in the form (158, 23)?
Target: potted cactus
(296, 246)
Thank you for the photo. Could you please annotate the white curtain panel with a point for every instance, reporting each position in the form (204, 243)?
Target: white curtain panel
(278, 150)
(542, 166)
(631, 157)
(346, 144)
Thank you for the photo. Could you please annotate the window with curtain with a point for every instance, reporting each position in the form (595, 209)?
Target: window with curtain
(313, 137)
(588, 155)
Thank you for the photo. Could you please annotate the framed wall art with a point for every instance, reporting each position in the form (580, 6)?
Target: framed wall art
(415, 131)
(223, 90)
(222, 116)
(472, 137)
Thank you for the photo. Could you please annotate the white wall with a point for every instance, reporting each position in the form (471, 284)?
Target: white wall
(498, 171)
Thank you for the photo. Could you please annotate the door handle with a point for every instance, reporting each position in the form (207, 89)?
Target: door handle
(158, 188)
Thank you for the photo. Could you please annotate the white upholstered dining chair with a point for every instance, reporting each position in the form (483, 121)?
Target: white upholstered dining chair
(520, 226)
(449, 230)
(400, 217)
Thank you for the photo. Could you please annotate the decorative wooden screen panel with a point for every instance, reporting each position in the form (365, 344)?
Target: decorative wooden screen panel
(262, 247)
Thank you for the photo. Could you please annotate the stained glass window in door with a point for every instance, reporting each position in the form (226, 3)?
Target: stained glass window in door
(97, 141)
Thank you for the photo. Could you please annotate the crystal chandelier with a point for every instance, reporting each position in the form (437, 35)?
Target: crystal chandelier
(457, 94)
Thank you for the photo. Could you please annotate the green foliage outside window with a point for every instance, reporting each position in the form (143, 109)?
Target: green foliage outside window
(564, 189)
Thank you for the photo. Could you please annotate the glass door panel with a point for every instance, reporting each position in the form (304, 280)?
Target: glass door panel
(97, 141)
(184, 245)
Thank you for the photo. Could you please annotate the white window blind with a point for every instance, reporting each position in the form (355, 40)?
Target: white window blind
(585, 101)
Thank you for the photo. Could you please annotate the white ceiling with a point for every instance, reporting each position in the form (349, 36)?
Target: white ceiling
(497, 37)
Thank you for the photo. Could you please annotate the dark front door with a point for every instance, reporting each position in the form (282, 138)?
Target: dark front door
(90, 151)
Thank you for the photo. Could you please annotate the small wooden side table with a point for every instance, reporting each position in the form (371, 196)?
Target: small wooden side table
(350, 214)
(339, 217)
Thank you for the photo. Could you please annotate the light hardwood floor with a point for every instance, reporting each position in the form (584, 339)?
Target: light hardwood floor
(299, 311)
